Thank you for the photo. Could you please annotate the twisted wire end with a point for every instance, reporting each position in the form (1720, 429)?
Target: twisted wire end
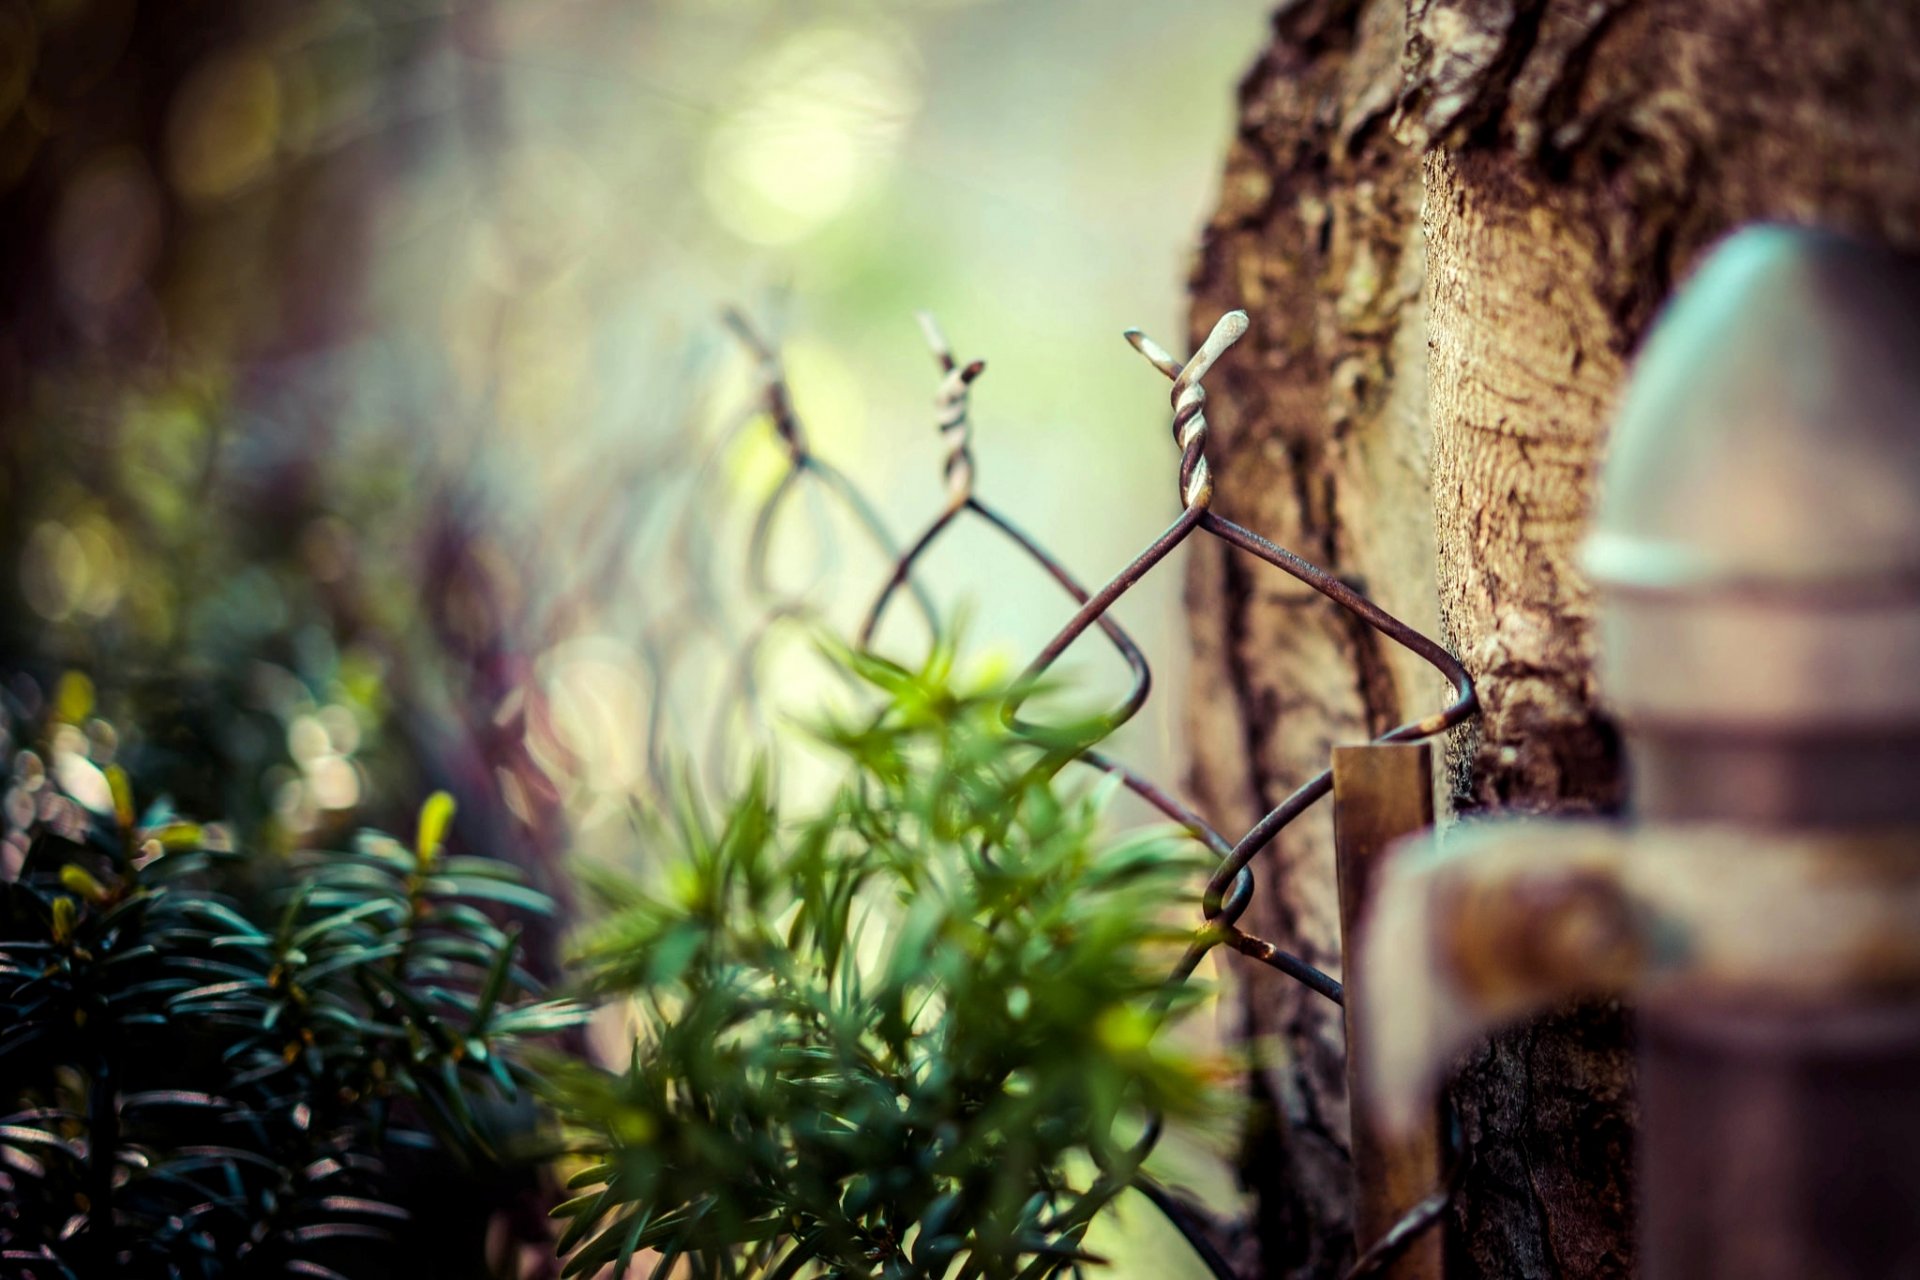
(1189, 400)
(749, 336)
(1154, 352)
(936, 340)
(773, 379)
(950, 405)
(1227, 330)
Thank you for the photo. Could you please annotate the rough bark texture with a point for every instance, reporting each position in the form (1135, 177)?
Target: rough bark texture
(1452, 221)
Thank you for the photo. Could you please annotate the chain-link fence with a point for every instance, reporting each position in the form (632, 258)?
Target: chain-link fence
(670, 645)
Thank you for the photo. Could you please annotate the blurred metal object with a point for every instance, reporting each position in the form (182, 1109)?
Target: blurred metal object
(1512, 916)
(1781, 1141)
(1757, 551)
(1757, 557)
(1756, 548)
(802, 463)
(1382, 793)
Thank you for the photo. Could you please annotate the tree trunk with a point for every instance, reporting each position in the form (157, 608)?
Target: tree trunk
(1451, 222)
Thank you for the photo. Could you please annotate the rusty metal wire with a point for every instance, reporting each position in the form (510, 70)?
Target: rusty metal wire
(1230, 888)
(782, 610)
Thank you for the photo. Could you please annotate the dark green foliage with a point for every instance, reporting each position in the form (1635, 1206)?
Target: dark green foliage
(913, 1034)
(209, 1062)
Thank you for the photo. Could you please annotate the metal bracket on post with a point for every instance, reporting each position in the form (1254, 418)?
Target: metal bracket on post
(1382, 792)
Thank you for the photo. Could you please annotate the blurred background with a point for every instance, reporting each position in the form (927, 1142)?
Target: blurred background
(369, 425)
(369, 354)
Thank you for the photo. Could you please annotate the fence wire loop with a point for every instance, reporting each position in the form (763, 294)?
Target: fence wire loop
(1229, 890)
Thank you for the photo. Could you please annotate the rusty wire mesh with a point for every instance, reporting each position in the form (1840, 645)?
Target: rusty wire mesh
(1230, 888)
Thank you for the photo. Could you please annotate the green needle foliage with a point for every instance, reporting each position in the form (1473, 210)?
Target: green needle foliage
(210, 1062)
(914, 1034)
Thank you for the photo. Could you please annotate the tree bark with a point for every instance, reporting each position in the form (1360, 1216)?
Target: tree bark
(1451, 222)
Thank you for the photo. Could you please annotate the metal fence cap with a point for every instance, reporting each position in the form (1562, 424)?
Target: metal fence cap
(1756, 545)
(1770, 434)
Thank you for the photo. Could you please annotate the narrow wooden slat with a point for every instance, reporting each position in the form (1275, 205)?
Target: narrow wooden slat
(1381, 793)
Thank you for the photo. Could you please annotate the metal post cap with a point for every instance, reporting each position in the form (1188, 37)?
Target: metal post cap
(1756, 546)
